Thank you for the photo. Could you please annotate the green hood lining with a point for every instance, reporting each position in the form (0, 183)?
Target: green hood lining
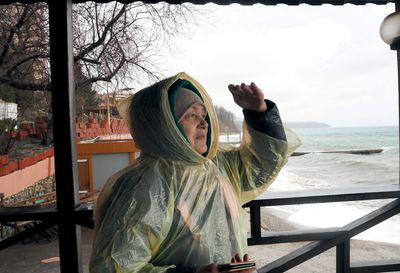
(171, 98)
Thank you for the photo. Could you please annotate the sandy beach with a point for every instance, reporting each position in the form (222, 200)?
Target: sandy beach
(41, 257)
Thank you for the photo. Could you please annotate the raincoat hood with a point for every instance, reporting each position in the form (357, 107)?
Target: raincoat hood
(154, 127)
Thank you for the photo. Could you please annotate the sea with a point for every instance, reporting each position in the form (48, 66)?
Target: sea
(319, 170)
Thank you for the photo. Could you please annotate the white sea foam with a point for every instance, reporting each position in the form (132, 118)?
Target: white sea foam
(337, 215)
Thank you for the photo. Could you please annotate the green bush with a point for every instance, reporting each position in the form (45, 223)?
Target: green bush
(7, 141)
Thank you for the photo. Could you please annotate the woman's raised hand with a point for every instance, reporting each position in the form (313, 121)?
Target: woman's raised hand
(249, 97)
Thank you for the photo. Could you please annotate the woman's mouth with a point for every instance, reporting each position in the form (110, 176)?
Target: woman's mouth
(201, 137)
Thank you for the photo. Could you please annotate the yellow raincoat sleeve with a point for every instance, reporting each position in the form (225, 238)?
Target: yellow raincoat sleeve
(140, 207)
(253, 166)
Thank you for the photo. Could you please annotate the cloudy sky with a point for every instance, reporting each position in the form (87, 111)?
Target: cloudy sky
(325, 64)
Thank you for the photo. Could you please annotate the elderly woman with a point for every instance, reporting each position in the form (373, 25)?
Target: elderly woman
(179, 207)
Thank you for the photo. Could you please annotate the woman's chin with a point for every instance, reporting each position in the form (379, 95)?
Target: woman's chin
(201, 149)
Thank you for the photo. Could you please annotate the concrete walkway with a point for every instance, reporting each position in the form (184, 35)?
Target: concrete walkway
(31, 257)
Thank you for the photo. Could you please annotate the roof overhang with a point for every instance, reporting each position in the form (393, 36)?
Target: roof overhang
(227, 2)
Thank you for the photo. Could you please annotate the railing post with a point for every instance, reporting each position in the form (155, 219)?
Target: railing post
(255, 222)
(398, 82)
(343, 257)
(397, 8)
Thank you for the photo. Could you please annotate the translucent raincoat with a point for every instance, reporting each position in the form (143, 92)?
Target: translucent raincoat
(175, 207)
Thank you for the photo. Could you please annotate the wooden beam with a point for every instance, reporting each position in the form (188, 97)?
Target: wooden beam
(106, 147)
(28, 213)
(326, 195)
(83, 213)
(63, 102)
(227, 2)
(375, 266)
(295, 236)
(315, 248)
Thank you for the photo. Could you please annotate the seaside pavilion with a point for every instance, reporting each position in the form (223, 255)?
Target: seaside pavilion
(70, 214)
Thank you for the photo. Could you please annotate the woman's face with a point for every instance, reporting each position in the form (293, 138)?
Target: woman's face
(195, 127)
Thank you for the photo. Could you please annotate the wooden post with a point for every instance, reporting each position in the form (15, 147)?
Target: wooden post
(343, 257)
(63, 101)
(397, 8)
(255, 222)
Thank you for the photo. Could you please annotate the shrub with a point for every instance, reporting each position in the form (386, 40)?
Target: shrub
(7, 135)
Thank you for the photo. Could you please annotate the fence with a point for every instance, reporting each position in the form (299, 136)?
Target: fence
(232, 137)
(324, 239)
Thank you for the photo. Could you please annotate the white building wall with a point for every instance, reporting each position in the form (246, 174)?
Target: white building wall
(105, 165)
(8, 110)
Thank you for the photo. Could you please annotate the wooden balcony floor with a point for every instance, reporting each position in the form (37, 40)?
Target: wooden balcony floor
(27, 258)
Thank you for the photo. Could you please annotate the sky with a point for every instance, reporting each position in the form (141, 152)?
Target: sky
(317, 63)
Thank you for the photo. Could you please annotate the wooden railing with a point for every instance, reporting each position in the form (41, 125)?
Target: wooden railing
(324, 239)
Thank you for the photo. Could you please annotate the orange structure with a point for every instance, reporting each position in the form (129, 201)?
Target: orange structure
(97, 161)
(18, 180)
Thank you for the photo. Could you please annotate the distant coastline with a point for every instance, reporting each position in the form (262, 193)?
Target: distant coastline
(291, 124)
(307, 124)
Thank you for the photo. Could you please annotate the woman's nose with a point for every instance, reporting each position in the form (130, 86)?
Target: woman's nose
(203, 123)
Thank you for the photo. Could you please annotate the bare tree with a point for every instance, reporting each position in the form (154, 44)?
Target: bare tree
(226, 119)
(120, 43)
(113, 42)
(24, 47)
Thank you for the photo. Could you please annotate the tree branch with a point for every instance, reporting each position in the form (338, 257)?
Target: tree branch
(108, 77)
(102, 38)
(27, 86)
(32, 57)
(12, 32)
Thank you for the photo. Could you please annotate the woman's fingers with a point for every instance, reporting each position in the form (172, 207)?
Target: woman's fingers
(247, 89)
(256, 89)
(249, 97)
(238, 258)
(236, 90)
